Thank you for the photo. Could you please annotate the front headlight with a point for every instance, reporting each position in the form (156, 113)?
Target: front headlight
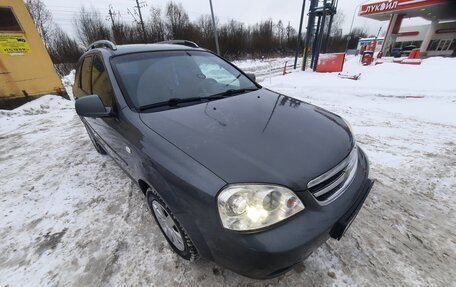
(351, 129)
(253, 206)
(349, 126)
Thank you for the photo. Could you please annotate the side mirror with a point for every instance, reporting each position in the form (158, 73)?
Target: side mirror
(251, 76)
(92, 106)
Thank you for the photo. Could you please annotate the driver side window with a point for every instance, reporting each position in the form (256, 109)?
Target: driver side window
(84, 80)
(101, 86)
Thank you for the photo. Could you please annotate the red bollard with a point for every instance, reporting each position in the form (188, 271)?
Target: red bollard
(285, 68)
(415, 54)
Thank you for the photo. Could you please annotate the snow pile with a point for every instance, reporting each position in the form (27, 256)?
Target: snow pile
(418, 91)
(68, 82)
(434, 77)
(42, 105)
(49, 106)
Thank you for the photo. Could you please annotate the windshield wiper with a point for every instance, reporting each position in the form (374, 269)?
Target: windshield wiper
(232, 92)
(237, 77)
(176, 101)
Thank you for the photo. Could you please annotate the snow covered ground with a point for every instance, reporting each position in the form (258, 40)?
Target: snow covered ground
(69, 216)
(265, 69)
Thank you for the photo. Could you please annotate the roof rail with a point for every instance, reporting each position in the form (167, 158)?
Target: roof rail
(102, 43)
(180, 42)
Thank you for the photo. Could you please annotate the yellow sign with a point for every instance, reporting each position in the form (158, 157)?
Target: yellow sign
(13, 44)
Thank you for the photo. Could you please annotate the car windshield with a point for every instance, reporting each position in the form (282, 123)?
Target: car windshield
(157, 77)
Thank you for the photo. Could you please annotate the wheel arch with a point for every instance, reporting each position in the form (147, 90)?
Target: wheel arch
(185, 221)
(143, 185)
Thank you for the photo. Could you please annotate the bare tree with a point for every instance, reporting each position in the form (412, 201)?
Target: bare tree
(266, 38)
(91, 27)
(356, 34)
(263, 40)
(42, 18)
(280, 32)
(334, 42)
(64, 51)
(360, 32)
(156, 25)
(234, 39)
(177, 20)
(338, 22)
(238, 40)
(291, 32)
(204, 24)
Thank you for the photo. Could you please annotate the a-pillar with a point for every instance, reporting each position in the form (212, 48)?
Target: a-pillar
(391, 34)
(427, 38)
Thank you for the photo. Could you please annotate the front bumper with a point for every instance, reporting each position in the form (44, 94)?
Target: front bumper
(274, 251)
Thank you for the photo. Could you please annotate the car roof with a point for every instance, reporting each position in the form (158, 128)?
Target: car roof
(137, 48)
(132, 48)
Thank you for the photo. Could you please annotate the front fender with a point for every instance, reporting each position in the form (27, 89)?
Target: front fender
(187, 187)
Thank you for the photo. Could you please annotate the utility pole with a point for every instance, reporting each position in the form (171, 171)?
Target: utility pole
(111, 15)
(137, 12)
(298, 44)
(215, 29)
(351, 27)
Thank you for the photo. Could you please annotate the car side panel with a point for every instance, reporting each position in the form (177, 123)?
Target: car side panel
(185, 185)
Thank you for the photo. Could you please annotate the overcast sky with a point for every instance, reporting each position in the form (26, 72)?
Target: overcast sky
(247, 11)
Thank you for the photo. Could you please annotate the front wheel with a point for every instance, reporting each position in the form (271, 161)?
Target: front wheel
(172, 230)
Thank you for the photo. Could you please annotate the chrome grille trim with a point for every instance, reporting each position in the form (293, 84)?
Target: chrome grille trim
(348, 168)
(331, 186)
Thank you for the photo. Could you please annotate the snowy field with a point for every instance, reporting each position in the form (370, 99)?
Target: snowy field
(71, 217)
(266, 68)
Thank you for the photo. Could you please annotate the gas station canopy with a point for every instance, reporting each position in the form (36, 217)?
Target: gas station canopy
(439, 37)
(428, 9)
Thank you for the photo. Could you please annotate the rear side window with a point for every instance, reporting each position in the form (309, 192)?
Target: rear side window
(77, 76)
(85, 75)
(8, 21)
(101, 86)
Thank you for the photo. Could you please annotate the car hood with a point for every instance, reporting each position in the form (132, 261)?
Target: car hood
(260, 137)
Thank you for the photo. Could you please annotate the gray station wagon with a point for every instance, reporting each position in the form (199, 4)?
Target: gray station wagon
(232, 172)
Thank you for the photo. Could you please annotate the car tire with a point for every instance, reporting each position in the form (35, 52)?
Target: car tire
(176, 236)
(95, 143)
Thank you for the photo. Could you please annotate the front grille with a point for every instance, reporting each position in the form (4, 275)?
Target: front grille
(329, 186)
